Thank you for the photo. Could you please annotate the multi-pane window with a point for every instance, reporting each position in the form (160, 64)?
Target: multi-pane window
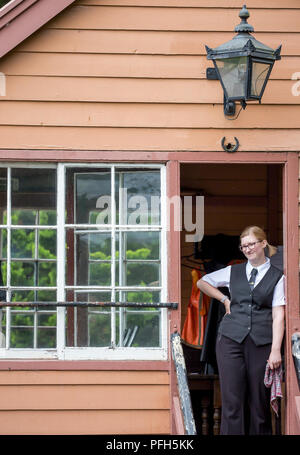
(79, 235)
(28, 256)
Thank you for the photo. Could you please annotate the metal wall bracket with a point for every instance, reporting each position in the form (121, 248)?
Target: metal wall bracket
(183, 387)
(229, 107)
(211, 74)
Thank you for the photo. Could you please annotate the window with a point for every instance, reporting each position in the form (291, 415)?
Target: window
(82, 234)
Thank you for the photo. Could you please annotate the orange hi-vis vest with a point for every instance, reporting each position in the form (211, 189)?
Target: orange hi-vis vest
(196, 318)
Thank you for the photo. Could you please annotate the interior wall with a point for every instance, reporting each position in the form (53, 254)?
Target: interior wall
(235, 196)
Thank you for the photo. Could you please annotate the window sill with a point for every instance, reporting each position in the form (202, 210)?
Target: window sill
(99, 354)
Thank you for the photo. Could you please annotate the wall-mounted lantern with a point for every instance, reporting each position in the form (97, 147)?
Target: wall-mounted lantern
(243, 65)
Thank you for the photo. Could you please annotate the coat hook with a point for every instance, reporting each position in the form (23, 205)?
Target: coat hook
(229, 147)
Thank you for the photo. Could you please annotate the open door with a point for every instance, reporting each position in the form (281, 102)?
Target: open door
(235, 196)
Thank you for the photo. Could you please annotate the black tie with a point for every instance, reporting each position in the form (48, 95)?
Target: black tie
(252, 278)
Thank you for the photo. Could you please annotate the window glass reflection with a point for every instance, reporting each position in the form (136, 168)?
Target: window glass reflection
(259, 74)
(92, 194)
(33, 199)
(138, 197)
(93, 265)
(233, 72)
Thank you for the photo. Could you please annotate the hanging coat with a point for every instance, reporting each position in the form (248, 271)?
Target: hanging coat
(196, 318)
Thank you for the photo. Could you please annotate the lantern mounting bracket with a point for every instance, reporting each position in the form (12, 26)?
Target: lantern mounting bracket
(211, 74)
(229, 107)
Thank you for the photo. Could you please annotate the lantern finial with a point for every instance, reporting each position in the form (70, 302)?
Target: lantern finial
(244, 27)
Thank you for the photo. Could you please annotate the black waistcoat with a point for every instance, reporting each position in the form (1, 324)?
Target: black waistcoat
(251, 313)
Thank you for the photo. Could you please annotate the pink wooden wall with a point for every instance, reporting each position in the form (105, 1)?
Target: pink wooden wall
(86, 398)
(130, 75)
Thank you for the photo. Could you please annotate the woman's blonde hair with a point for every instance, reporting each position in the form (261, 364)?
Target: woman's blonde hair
(260, 235)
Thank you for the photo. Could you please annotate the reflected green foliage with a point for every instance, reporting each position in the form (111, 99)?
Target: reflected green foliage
(99, 329)
(139, 263)
(148, 328)
(147, 321)
(27, 270)
(138, 274)
(3, 2)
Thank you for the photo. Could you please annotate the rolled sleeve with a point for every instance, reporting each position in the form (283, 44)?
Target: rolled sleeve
(219, 278)
(278, 295)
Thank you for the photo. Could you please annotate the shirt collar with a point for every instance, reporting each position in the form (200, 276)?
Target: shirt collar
(259, 268)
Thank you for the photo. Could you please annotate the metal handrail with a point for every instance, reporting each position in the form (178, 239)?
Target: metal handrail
(183, 388)
(296, 354)
(170, 305)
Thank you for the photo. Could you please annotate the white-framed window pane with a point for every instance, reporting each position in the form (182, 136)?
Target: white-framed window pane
(23, 244)
(47, 245)
(3, 195)
(92, 190)
(147, 323)
(140, 327)
(93, 259)
(142, 245)
(28, 258)
(3, 259)
(138, 195)
(46, 274)
(22, 273)
(138, 274)
(99, 320)
(33, 196)
(138, 258)
(30, 327)
(89, 326)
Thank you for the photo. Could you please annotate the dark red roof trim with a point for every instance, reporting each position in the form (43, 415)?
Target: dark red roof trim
(21, 18)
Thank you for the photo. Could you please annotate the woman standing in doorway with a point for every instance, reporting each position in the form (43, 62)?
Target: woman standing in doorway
(250, 333)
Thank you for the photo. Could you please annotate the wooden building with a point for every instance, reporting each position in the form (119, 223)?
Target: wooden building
(109, 99)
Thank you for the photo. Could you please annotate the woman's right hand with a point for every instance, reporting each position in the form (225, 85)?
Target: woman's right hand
(227, 306)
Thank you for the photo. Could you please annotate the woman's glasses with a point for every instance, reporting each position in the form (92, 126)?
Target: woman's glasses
(249, 245)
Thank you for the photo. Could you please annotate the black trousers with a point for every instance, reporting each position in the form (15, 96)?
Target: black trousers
(241, 370)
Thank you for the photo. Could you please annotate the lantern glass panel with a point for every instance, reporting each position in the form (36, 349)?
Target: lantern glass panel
(260, 72)
(233, 72)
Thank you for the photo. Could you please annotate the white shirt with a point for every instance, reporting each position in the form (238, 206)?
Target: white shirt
(221, 278)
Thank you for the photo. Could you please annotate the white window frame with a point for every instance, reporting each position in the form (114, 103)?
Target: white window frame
(62, 352)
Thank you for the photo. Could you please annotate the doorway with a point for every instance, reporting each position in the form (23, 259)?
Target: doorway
(235, 196)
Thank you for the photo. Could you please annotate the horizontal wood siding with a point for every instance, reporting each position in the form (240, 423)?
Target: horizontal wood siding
(142, 42)
(84, 402)
(158, 18)
(288, 4)
(131, 75)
